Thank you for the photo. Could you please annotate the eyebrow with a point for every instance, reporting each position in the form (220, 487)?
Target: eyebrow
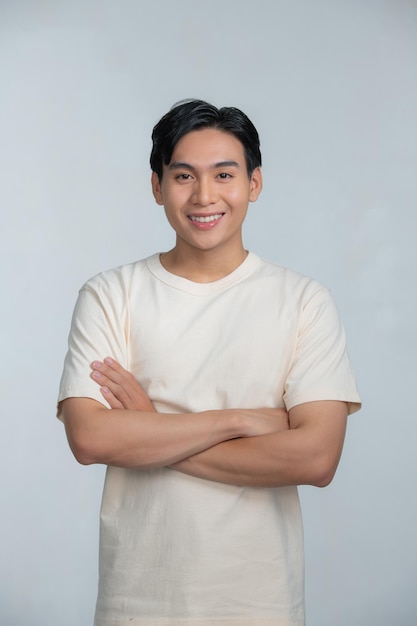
(178, 165)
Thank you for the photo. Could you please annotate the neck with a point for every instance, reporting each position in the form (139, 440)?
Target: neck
(202, 266)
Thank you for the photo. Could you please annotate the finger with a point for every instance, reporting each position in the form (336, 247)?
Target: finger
(105, 374)
(117, 390)
(115, 366)
(110, 373)
(111, 398)
(115, 371)
(111, 369)
(123, 385)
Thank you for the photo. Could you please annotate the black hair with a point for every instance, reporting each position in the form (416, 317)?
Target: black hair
(189, 115)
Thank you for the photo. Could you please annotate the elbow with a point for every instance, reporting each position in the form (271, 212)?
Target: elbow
(82, 419)
(323, 480)
(82, 452)
(83, 447)
(323, 473)
(84, 458)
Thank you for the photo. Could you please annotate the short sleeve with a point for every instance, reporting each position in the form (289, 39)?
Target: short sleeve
(320, 368)
(99, 328)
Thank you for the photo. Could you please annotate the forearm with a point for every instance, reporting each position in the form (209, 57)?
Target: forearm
(139, 439)
(275, 460)
(307, 453)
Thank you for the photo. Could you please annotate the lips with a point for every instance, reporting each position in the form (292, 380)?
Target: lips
(205, 219)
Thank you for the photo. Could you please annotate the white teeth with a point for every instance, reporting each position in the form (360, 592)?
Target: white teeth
(208, 218)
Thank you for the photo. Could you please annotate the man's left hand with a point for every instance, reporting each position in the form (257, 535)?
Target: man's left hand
(119, 387)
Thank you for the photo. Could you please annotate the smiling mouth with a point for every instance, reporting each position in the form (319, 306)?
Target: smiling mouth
(205, 219)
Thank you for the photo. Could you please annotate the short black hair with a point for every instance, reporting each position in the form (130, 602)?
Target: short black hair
(189, 115)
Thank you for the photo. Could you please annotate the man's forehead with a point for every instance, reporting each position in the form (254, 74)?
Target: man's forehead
(178, 165)
(210, 146)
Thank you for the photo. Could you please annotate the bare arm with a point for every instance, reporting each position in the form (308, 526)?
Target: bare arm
(133, 434)
(307, 453)
(304, 451)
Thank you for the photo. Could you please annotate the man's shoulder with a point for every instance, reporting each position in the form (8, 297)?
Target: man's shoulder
(287, 278)
(120, 277)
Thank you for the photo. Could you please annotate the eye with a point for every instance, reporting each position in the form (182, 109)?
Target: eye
(224, 175)
(183, 177)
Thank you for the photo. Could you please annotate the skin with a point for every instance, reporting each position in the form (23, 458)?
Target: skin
(205, 191)
(304, 448)
(207, 176)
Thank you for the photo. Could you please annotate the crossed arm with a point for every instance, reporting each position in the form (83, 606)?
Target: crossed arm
(259, 447)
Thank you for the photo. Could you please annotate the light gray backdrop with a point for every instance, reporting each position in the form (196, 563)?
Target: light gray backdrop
(332, 88)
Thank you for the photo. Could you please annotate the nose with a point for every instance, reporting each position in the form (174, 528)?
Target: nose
(204, 192)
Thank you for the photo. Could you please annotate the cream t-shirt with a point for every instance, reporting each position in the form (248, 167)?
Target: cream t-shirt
(179, 550)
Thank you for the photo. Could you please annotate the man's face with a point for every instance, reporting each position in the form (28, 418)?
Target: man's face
(205, 191)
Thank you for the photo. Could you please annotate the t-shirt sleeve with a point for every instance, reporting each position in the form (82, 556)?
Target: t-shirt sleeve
(99, 328)
(320, 368)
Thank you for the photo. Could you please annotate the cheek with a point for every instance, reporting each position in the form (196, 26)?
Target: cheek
(239, 197)
(173, 221)
(175, 200)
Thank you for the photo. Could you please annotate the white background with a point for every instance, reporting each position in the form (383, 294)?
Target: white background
(332, 87)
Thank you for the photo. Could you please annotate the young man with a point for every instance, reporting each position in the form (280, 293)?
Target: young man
(226, 385)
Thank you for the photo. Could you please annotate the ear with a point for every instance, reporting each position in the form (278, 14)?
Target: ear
(255, 184)
(156, 188)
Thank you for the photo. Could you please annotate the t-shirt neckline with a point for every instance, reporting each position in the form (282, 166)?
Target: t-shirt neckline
(201, 289)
